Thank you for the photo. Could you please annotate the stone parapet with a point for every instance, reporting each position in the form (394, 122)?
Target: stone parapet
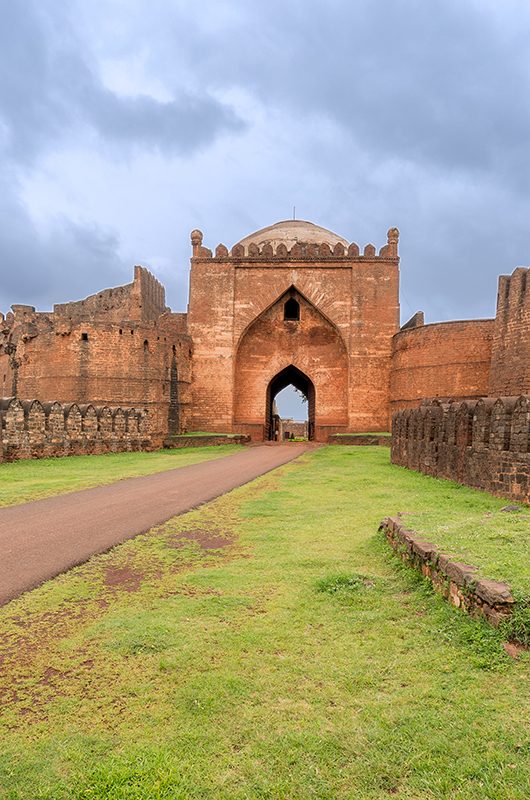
(360, 439)
(484, 444)
(31, 429)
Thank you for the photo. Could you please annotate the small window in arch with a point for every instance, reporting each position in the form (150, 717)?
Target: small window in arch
(146, 345)
(291, 309)
(84, 337)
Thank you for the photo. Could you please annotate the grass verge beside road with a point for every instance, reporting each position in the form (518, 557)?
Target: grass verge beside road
(33, 479)
(267, 645)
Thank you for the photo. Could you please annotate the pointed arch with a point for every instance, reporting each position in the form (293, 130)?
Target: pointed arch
(289, 376)
(271, 346)
(294, 292)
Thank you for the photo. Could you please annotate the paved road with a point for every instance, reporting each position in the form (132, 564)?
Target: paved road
(38, 540)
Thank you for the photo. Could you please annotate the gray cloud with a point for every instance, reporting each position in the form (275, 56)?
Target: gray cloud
(364, 114)
(67, 260)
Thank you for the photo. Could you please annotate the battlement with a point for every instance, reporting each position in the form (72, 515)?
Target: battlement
(514, 291)
(510, 364)
(484, 443)
(143, 299)
(300, 251)
(31, 429)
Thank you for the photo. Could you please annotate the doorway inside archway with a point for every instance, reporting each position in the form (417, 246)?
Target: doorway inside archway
(290, 376)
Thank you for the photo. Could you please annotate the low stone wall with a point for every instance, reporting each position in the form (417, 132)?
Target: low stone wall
(485, 444)
(204, 441)
(362, 440)
(458, 582)
(31, 429)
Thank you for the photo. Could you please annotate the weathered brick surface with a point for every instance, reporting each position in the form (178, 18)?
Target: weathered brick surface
(120, 347)
(484, 444)
(30, 429)
(445, 360)
(510, 363)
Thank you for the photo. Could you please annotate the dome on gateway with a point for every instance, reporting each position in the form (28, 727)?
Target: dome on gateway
(292, 231)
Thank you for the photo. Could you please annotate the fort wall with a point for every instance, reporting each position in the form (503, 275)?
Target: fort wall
(100, 352)
(485, 444)
(30, 429)
(217, 367)
(446, 360)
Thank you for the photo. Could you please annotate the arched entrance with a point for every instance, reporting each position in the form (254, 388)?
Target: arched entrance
(291, 375)
(285, 334)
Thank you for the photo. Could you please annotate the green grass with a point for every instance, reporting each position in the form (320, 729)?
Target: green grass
(206, 433)
(34, 479)
(296, 659)
(367, 433)
(475, 530)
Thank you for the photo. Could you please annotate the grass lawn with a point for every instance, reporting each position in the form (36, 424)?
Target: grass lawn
(206, 433)
(367, 433)
(33, 479)
(267, 645)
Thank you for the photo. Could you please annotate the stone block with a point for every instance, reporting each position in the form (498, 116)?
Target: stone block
(494, 593)
(461, 574)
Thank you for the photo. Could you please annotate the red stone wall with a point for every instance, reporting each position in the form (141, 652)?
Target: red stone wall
(510, 363)
(82, 355)
(449, 360)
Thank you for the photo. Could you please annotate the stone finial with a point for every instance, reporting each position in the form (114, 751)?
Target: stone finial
(393, 239)
(196, 241)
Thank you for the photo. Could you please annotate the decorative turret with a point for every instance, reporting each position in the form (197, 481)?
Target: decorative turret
(196, 241)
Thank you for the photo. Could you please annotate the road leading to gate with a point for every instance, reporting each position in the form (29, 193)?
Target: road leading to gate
(41, 539)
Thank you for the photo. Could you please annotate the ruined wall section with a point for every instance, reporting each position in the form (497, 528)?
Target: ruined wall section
(485, 444)
(30, 429)
(103, 360)
(446, 360)
(510, 362)
(142, 300)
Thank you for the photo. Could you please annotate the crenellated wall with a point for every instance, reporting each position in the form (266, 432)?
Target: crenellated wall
(30, 429)
(217, 367)
(485, 444)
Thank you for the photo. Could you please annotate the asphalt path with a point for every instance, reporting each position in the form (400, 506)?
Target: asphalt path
(40, 539)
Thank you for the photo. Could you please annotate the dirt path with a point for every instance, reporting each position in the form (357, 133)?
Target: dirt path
(39, 540)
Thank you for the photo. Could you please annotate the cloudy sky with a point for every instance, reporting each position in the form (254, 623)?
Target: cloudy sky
(126, 123)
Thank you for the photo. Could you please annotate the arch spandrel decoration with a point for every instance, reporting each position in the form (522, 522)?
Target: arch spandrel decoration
(291, 291)
(259, 302)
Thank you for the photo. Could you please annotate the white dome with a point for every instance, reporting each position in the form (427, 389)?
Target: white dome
(292, 231)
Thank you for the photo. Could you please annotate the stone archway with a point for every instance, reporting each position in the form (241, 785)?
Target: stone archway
(291, 375)
(284, 338)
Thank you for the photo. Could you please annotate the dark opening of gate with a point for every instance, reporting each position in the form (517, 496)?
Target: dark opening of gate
(291, 375)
